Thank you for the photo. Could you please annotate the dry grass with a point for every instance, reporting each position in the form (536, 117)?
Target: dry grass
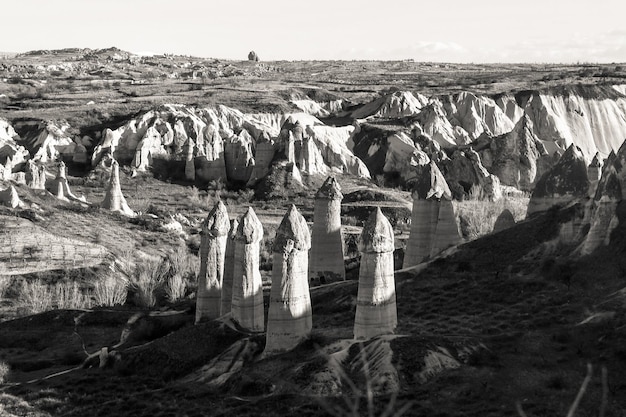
(68, 295)
(478, 216)
(37, 296)
(110, 291)
(147, 278)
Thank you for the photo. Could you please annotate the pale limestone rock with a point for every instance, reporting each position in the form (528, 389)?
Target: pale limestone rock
(247, 302)
(6, 170)
(35, 175)
(10, 198)
(293, 175)
(393, 105)
(504, 221)
(60, 187)
(212, 259)
(311, 161)
(326, 261)
(150, 144)
(239, 157)
(290, 317)
(114, 199)
(334, 143)
(229, 269)
(263, 156)
(211, 147)
(447, 231)
(290, 148)
(376, 312)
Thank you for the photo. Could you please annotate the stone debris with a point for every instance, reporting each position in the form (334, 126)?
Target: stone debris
(247, 301)
(376, 312)
(229, 269)
(326, 262)
(212, 257)
(290, 317)
(114, 199)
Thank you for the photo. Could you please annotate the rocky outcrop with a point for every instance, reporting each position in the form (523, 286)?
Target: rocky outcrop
(26, 248)
(517, 158)
(60, 187)
(504, 221)
(239, 157)
(49, 141)
(229, 268)
(10, 198)
(263, 157)
(334, 143)
(290, 318)
(247, 302)
(594, 172)
(326, 261)
(114, 199)
(433, 223)
(564, 183)
(252, 56)
(464, 170)
(311, 161)
(190, 166)
(477, 115)
(35, 175)
(212, 260)
(393, 105)
(210, 164)
(376, 312)
(9, 147)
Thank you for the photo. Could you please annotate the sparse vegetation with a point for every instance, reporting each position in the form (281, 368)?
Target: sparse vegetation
(110, 291)
(477, 216)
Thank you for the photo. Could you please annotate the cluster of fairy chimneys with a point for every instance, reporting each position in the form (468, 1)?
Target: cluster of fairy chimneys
(36, 178)
(230, 281)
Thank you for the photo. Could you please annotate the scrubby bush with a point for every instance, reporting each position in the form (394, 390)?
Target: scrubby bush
(35, 297)
(68, 295)
(477, 216)
(110, 291)
(148, 277)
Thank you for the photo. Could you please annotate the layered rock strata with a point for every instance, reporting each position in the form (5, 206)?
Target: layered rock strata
(114, 199)
(229, 269)
(247, 301)
(212, 258)
(326, 261)
(289, 318)
(376, 312)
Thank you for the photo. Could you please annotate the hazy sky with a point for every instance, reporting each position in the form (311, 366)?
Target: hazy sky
(432, 30)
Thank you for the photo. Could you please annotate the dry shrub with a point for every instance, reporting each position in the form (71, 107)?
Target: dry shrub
(148, 277)
(68, 295)
(35, 297)
(110, 291)
(182, 275)
(4, 371)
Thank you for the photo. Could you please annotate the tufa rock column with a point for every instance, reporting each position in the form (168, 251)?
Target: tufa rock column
(212, 257)
(247, 303)
(290, 319)
(376, 298)
(594, 172)
(114, 199)
(10, 198)
(35, 175)
(190, 167)
(229, 269)
(326, 263)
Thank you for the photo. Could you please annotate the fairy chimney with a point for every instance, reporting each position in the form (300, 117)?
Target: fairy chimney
(36, 175)
(290, 318)
(229, 263)
(376, 312)
(10, 198)
(212, 257)
(114, 199)
(247, 302)
(190, 168)
(326, 262)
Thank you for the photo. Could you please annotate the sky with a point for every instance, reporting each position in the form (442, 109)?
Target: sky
(478, 31)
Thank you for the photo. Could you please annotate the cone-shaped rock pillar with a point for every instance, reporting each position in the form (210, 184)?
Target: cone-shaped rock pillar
(504, 221)
(594, 172)
(247, 303)
(376, 312)
(10, 198)
(326, 262)
(289, 319)
(190, 167)
(114, 199)
(61, 188)
(212, 258)
(229, 268)
(433, 223)
(36, 176)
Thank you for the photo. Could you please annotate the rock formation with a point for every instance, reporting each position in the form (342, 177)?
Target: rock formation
(212, 165)
(247, 302)
(252, 56)
(289, 318)
(594, 172)
(190, 167)
(239, 157)
(212, 258)
(376, 298)
(433, 224)
(326, 261)
(564, 183)
(10, 198)
(311, 160)
(264, 154)
(229, 268)
(114, 199)
(6, 169)
(35, 175)
(504, 221)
